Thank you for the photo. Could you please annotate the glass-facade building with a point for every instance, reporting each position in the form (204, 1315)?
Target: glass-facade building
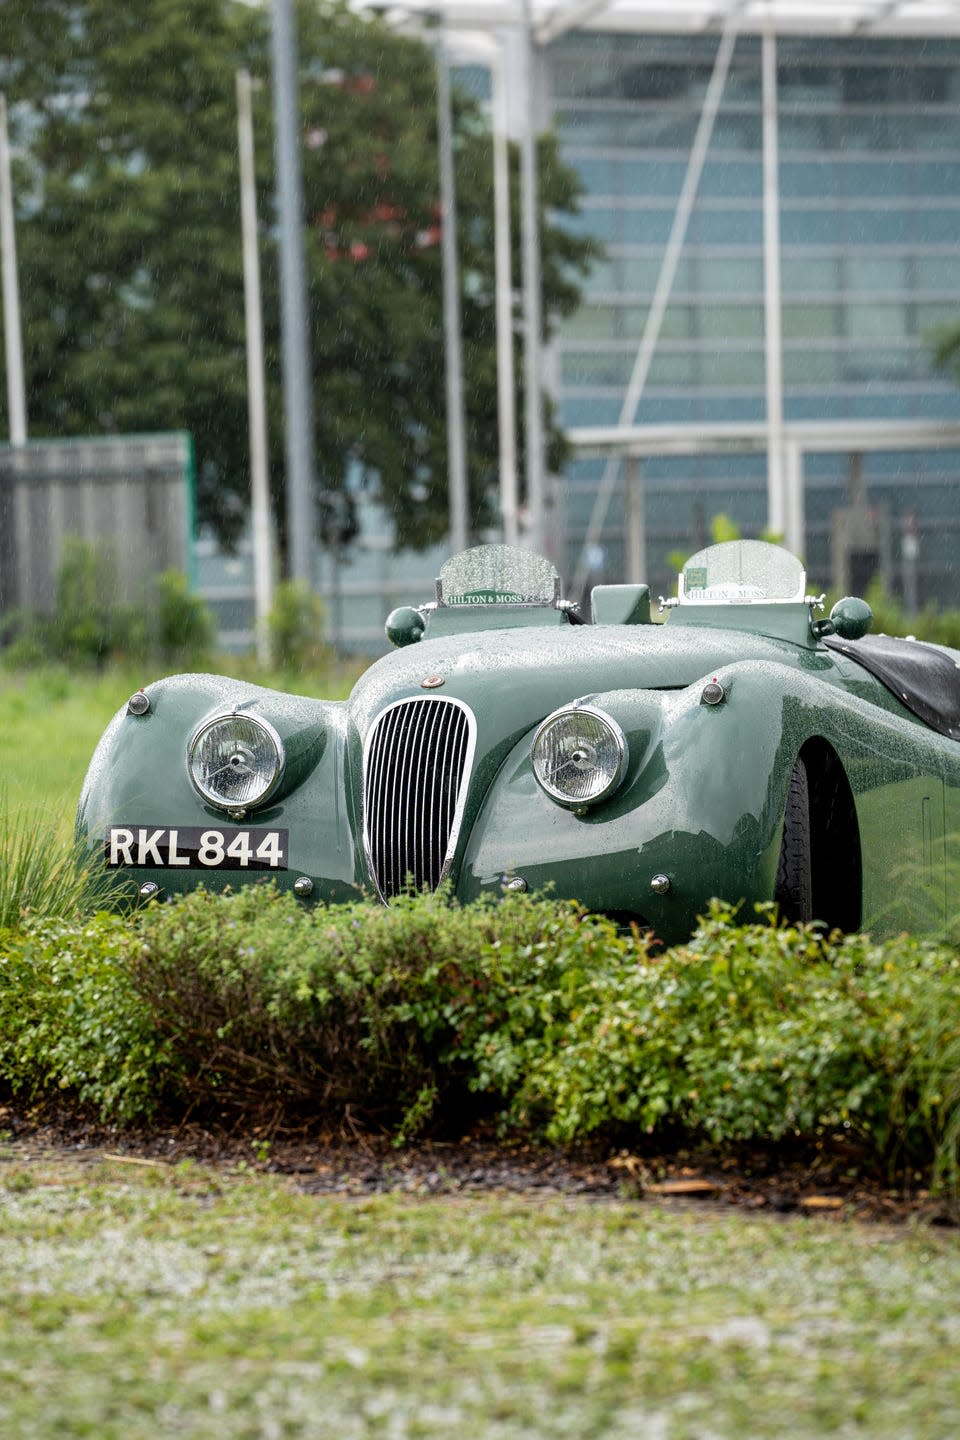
(869, 177)
(869, 216)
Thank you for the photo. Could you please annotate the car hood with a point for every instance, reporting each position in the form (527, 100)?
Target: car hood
(511, 679)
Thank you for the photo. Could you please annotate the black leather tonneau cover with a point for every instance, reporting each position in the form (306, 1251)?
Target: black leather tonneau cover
(923, 678)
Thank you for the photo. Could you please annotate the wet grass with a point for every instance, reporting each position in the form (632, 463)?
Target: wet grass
(144, 1301)
(51, 719)
(153, 1301)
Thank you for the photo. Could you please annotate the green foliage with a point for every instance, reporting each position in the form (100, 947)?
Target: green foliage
(71, 1018)
(41, 875)
(939, 627)
(184, 629)
(90, 624)
(130, 258)
(296, 627)
(424, 1014)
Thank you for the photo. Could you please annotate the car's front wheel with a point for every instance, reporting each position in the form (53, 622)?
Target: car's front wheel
(793, 890)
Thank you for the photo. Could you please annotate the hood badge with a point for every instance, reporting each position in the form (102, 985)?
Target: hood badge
(431, 682)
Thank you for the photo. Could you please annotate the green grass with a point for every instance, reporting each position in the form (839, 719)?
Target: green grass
(153, 1302)
(51, 720)
(144, 1302)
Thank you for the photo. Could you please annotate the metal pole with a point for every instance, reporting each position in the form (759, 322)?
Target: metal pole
(531, 295)
(16, 392)
(453, 355)
(297, 396)
(777, 519)
(256, 387)
(661, 296)
(506, 407)
(794, 519)
(636, 527)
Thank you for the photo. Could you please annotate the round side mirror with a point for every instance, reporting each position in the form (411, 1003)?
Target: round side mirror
(404, 626)
(851, 618)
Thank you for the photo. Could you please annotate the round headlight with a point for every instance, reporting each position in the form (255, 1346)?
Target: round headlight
(579, 756)
(235, 761)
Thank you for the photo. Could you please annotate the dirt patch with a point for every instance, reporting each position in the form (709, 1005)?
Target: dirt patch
(828, 1180)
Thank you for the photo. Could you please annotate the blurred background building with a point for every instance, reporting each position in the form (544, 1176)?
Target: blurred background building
(868, 130)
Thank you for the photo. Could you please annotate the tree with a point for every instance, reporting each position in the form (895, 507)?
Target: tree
(129, 243)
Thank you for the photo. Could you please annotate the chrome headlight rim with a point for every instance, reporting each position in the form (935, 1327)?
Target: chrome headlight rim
(587, 802)
(221, 802)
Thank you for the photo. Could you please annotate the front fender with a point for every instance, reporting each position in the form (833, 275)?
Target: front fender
(702, 802)
(138, 778)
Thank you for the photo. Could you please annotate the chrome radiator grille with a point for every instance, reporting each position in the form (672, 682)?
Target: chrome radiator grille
(416, 771)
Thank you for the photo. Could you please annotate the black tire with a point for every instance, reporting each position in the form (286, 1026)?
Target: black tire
(793, 890)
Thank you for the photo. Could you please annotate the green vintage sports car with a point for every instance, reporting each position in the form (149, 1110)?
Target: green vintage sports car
(745, 749)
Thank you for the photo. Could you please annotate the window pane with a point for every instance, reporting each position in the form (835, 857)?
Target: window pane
(815, 274)
(640, 273)
(732, 180)
(874, 364)
(589, 322)
(652, 177)
(603, 276)
(880, 226)
(729, 227)
(880, 177)
(938, 132)
(808, 84)
(809, 227)
(931, 318)
(589, 367)
(939, 177)
(937, 272)
(808, 132)
(731, 275)
(938, 227)
(645, 227)
(876, 272)
(671, 368)
(877, 322)
(676, 322)
(875, 132)
(737, 132)
(810, 367)
(740, 322)
(599, 175)
(600, 223)
(809, 180)
(815, 322)
(732, 367)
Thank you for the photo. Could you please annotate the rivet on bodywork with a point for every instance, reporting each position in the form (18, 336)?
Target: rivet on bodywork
(303, 886)
(712, 693)
(660, 884)
(149, 890)
(139, 703)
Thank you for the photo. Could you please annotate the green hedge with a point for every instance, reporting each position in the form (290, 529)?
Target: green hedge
(250, 1005)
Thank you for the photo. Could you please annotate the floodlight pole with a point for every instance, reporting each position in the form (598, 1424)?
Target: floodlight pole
(297, 394)
(783, 517)
(452, 346)
(503, 284)
(256, 386)
(13, 342)
(532, 301)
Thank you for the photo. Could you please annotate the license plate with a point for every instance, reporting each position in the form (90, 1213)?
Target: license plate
(192, 847)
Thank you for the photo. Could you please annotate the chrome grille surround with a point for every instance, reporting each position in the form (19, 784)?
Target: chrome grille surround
(417, 762)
